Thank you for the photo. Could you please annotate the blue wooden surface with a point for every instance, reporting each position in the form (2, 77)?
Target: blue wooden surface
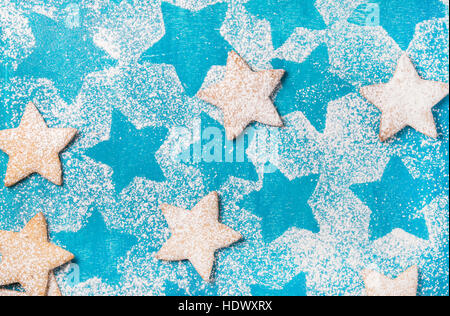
(332, 202)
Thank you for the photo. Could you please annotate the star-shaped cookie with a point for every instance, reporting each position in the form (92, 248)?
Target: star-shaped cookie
(406, 100)
(28, 258)
(53, 289)
(244, 96)
(34, 148)
(62, 54)
(196, 235)
(380, 285)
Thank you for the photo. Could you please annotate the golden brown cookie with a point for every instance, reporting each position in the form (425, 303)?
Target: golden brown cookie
(244, 96)
(34, 148)
(196, 235)
(28, 258)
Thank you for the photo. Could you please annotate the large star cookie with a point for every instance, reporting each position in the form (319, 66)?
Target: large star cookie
(196, 235)
(380, 285)
(34, 148)
(28, 257)
(244, 96)
(406, 100)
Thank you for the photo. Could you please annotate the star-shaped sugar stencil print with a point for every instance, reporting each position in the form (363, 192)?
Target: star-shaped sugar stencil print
(281, 212)
(309, 87)
(406, 100)
(192, 43)
(405, 284)
(394, 201)
(244, 96)
(28, 258)
(130, 152)
(408, 15)
(285, 16)
(219, 159)
(34, 148)
(16, 38)
(197, 235)
(63, 55)
(296, 287)
(94, 242)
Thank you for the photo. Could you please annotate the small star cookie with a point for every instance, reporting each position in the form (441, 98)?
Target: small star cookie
(28, 258)
(34, 148)
(380, 285)
(196, 235)
(244, 96)
(406, 100)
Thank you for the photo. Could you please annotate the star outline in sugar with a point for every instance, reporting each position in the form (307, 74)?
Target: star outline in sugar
(406, 100)
(244, 96)
(186, 36)
(196, 235)
(33, 147)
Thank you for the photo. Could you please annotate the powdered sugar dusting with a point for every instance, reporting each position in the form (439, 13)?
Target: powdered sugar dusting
(347, 152)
